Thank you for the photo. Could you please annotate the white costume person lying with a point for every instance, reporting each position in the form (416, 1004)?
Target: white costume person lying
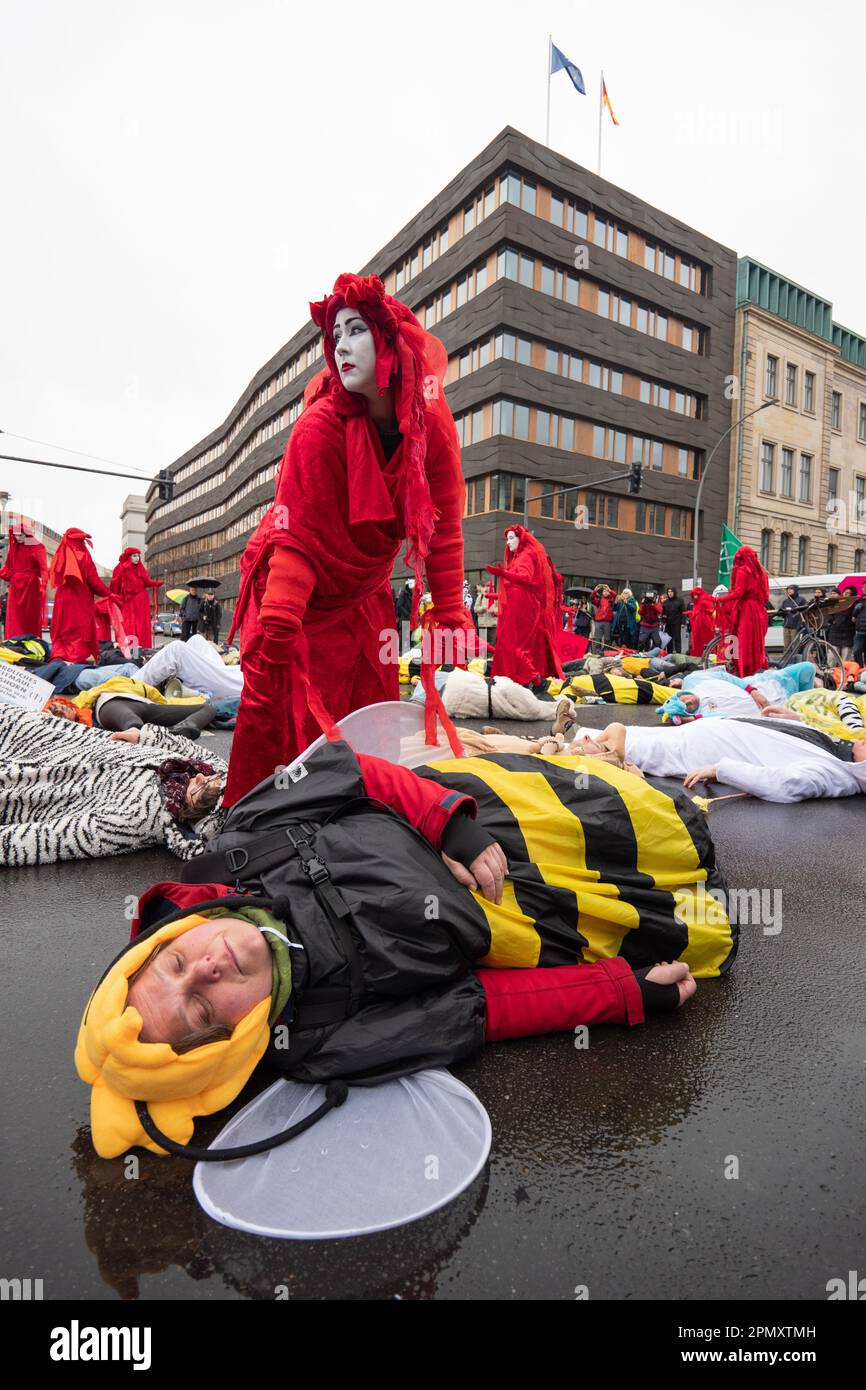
(772, 759)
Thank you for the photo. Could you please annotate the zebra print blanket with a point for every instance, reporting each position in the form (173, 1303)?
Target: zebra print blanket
(68, 792)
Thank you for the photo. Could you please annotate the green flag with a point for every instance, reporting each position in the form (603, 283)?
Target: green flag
(730, 546)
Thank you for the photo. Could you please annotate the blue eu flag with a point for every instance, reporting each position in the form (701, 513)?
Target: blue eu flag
(558, 60)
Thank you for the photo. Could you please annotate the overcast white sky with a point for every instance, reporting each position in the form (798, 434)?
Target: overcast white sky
(179, 180)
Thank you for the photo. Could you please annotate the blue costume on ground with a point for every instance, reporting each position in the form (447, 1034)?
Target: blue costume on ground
(800, 675)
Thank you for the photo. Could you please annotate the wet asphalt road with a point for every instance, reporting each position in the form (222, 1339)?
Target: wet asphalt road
(608, 1165)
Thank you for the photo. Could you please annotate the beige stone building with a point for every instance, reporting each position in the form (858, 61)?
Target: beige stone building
(798, 468)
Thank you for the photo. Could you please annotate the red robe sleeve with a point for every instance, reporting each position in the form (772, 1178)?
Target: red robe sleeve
(91, 577)
(444, 563)
(426, 805)
(291, 580)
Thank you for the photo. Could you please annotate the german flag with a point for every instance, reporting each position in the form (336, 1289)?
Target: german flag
(601, 864)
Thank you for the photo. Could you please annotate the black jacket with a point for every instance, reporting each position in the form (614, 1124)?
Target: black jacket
(858, 613)
(673, 610)
(792, 608)
(386, 988)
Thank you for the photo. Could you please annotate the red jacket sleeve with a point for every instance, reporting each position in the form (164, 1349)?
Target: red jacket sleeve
(425, 805)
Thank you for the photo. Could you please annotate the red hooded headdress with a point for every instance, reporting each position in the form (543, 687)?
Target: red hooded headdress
(412, 363)
(65, 563)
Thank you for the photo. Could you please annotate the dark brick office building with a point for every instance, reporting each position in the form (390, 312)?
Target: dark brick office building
(585, 330)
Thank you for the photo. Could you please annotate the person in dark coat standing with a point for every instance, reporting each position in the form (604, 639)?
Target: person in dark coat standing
(209, 618)
(189, 611)
(673, 606)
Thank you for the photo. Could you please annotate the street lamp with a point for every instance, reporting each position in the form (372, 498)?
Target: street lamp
(705, 471)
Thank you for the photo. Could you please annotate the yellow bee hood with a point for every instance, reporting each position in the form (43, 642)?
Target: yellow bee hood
(121, 1069)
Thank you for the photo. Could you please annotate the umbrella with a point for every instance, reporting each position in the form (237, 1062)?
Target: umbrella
(577, 592)
(176, 595)
(204, 582)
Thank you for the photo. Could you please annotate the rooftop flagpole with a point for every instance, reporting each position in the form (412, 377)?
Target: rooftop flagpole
(600, 100)
(549, 57)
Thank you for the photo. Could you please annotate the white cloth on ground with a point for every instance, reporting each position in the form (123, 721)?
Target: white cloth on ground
(765, 761)
(468, 696)
(198, 665)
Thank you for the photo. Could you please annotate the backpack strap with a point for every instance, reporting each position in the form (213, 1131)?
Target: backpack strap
(274, 848)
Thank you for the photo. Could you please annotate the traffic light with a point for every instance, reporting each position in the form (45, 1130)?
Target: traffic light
(165, 483)
(634, 479)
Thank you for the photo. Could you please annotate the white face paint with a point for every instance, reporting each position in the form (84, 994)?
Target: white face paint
(135, 559)
(355, 353)
(512, 540)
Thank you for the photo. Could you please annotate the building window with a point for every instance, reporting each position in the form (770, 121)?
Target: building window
(547, 279)
(581, 224)
(571, 289)
(860, 497)
(858, 561)
(556, 209)
(832, 484)
(521, 422)
(768, 459)
(790, 384)
(784, 552)
(683, 462)
(524, 352)
(831, 558)
(551, 360)
(809, 393)
(786, 480)
(803, 555)
(527, 270)
(503, 417)
(566, 432)
(542, 427)
(687, 337)
(603, 304)
(506, 265)
(489, 200)
(772, 376)
(836, 411)
(766, 547)
(613, 511)
(805, 480)
(861, 423)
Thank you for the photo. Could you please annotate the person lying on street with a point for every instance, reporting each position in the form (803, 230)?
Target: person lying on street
(69, 791)
(777, 761)
(358, 920)
(716, 693)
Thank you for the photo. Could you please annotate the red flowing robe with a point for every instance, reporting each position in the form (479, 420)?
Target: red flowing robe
(742, 613)
(74, 576)
(318, 629)
(530, 602)
(702, 621)
(131, 585)
(26, 570)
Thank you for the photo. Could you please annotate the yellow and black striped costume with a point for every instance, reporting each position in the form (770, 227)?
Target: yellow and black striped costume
(614, 690)
(820, 708)
(601, 864)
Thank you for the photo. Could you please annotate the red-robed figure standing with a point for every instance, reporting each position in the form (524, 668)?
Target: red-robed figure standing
(130, 583)
(372, 460)
(701, 620)
(530, 604)
(26, 570)
(73, 575)
(742, 614)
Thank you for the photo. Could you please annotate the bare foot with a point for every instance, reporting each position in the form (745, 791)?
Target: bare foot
(676, 973)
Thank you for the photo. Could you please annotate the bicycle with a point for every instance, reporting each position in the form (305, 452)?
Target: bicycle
(808, 646)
